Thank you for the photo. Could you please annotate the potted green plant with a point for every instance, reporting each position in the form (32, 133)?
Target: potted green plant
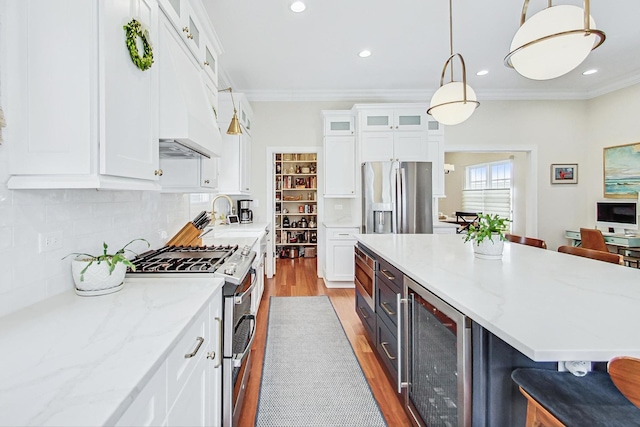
(487, 235)
(101, 274)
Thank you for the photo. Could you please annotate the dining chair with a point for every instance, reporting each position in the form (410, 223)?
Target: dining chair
(592, 238)
(465, 220)
(593, 254)
(561, 399)
(529, 241)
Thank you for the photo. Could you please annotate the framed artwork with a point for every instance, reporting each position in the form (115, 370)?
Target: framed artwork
(622, 171)
(564, 173)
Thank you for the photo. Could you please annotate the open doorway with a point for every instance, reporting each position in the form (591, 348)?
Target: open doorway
(523, 185)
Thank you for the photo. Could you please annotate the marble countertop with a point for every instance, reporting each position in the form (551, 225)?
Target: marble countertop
(80, 361)
(548, 305)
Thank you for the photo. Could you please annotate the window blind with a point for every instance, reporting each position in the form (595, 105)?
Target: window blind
(488, 201)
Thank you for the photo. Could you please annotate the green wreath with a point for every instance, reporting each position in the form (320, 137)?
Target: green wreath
(134, 30)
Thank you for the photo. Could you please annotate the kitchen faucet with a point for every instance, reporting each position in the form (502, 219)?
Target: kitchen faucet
(213, 206)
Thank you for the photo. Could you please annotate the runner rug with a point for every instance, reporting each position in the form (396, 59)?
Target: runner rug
(310, 375)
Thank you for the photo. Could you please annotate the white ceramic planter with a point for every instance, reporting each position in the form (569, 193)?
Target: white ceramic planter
(97, 280)
(489, 249)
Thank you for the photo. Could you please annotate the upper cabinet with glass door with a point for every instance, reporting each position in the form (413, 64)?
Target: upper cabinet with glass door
(396, 119)
(338, 123)
(190, 19)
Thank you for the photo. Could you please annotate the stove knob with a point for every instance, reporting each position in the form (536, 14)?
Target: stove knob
(245, 251)
(230, 270)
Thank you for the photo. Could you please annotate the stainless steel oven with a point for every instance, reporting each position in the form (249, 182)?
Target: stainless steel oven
(239, 333)
(364, 276)
(435, 359)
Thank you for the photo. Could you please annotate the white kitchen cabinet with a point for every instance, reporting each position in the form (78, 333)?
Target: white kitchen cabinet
(393, 119)
(386, 146)
(338, 123)
(186, 391)
(235, 159)
(71, 122)
(340, 166)
(189, 175)
(150, 407)
(339, 264)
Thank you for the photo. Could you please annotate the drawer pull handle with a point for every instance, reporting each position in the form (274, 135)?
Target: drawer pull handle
(364, 315)
(384, 347)
(386, 308)
(387, 274)
(190, 355)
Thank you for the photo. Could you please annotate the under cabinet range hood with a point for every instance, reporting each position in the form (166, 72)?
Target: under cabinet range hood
(187, 123)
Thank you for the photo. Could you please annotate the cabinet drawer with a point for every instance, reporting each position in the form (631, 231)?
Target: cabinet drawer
(387, 347)
(150, 407)
(366, 315)
(179, 367)
(391, 275)
(387, 303)
(342, 233)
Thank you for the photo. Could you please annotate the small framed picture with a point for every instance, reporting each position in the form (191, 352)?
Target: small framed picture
(564, 174)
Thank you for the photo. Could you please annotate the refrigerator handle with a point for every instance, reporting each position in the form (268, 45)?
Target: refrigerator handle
(398, 203)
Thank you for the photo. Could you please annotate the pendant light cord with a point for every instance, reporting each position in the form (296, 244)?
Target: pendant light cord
(451, 35)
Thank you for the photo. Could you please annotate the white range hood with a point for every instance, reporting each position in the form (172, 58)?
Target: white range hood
(187, 123)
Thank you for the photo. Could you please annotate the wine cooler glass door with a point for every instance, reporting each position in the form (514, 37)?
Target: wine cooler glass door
(438, 392)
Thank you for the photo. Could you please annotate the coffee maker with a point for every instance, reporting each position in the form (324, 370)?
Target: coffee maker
(245, 214)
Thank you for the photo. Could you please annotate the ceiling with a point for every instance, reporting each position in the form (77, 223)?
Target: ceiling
(271, 53)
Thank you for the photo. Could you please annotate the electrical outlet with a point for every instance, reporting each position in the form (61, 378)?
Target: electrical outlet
(50, 241)
(337, 207)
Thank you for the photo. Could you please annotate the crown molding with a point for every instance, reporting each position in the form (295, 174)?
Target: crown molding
(421, 95)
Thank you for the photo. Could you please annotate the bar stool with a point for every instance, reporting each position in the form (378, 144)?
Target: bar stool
(561, 399)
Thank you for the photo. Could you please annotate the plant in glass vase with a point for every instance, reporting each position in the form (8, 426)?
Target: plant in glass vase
(488, 235)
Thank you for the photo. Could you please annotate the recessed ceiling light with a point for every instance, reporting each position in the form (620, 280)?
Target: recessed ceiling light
(482, 73)
(298, 6)
(364, 54)
(588, 72)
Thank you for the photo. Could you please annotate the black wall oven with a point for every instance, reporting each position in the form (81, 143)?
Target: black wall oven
(435, 359)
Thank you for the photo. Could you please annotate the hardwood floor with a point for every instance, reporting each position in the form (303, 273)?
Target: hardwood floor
(298, 277)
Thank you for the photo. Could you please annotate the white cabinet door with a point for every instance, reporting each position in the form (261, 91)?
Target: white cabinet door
(377, 120)
(410, 146)
(376, 146)
(340, 166)
(410, 119)
(191, 408)
(245, 163)
(189, 175)
(338, 124)
(339, 265)
(209, 173)
(150, 407)
(129, 144)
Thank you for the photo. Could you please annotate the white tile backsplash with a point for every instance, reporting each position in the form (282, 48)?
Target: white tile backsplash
(86, 218)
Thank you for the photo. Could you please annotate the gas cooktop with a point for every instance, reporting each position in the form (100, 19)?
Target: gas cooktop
(183, 259)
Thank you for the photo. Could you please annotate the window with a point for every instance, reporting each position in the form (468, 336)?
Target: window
(487, 188)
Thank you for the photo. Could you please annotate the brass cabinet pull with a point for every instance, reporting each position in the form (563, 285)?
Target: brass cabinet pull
(364, 315)
(185, 29)
(384, 347)
(211, 355)
(190, 36)
(206, 181)
(158, 172)
(386, 308)
(387, 274)
(206, 63)
(194, 352)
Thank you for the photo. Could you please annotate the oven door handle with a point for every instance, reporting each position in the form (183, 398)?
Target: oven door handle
(239, 298)
(238, 358)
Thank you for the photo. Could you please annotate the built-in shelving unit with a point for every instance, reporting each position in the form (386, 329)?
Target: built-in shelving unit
(295, 205)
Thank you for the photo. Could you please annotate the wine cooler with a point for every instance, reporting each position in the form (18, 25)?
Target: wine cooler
(436, 377)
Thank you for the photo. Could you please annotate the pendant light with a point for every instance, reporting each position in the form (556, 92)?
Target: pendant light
(553, 42)
(234, 126)
(454, 102)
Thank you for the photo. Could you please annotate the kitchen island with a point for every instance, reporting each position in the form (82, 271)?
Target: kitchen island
(82, 361)
(534, 307)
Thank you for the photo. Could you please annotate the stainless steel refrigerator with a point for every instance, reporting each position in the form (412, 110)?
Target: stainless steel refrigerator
(397, 197)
